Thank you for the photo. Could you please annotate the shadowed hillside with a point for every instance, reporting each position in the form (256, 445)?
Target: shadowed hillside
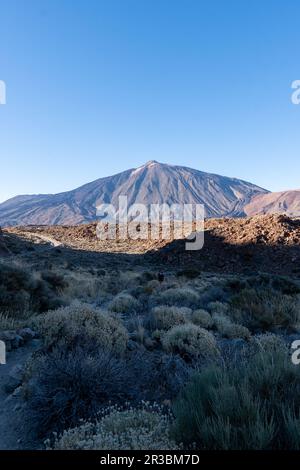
(265, 243)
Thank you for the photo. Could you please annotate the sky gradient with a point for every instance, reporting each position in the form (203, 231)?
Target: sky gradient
(97, 87)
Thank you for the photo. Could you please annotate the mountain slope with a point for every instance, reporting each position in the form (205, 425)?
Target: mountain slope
(151, 183)
(286, 202)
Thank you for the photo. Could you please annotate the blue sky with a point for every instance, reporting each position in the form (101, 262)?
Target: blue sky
(96, 87)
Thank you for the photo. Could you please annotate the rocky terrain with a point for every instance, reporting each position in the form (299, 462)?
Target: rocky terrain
(262, 243)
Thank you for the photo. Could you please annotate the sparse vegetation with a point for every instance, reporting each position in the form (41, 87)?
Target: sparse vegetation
(212, 348)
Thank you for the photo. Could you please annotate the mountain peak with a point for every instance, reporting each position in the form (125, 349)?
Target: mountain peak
(151, 163)
(151, 183)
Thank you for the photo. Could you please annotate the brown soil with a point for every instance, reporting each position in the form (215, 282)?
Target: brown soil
(261, 243)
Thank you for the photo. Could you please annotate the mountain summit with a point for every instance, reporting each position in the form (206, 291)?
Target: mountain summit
(151, 183)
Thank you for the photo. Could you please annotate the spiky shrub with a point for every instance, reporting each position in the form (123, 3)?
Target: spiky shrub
(268, 342)
(184, 297)
(254, 405)
(8, 323)
(190, 341)
(63, 387)
(136, 328)
(124, 303)
(145, 428)
(78, 320)
(202, 318)
(266, 308)
(163, 317)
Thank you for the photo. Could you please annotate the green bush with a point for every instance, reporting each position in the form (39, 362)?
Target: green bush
(68, 324)
(190, 341)
(254, 405)
(265, 309)
(280, 284)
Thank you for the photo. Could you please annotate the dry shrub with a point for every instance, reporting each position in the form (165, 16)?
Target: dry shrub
(163, 317)
(183, 297)
(68, 324)
(145, 428)
(202, 318)
(124, 303)
(190, 341)
(230, 330)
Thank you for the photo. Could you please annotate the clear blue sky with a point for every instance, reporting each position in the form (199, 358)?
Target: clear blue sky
(95, 87)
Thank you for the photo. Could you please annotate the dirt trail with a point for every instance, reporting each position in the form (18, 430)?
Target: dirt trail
(47, 239)
(37, 237)
(13, 433)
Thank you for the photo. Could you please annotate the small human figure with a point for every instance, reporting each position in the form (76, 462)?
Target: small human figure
(161, 277)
